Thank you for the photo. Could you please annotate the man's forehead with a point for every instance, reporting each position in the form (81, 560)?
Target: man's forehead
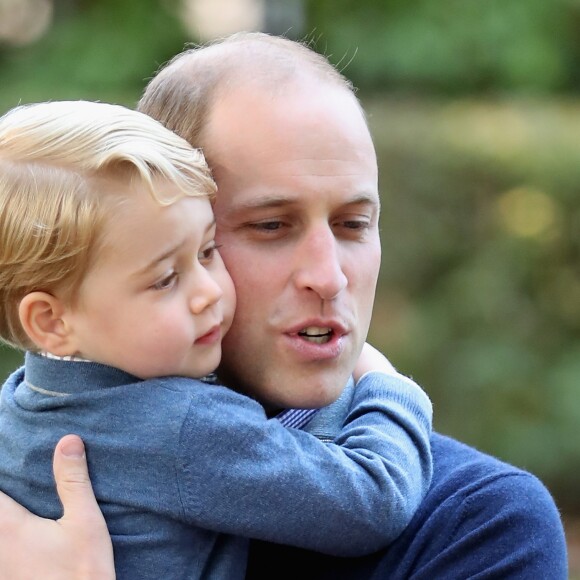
(292, 97)
(278, 152)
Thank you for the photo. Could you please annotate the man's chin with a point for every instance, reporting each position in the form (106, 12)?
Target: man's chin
(314, 398)
(296, 390)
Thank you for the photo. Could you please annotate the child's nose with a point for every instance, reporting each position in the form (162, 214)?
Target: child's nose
(206, 291)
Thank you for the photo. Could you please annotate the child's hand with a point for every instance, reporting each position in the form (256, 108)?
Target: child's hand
(371, 359)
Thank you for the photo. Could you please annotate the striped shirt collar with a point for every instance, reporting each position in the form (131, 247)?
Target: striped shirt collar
(296, 418)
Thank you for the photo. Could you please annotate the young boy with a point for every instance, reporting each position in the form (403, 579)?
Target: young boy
(111, 281)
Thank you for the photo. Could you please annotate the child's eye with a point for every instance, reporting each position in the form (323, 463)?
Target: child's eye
(207, 254)
(166, 282)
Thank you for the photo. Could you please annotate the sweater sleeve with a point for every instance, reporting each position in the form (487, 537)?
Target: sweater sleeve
(241, 473)
(481, 518)
(507, 528)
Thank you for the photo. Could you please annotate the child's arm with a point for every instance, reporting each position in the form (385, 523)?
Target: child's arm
(255, 478)
(371, 360)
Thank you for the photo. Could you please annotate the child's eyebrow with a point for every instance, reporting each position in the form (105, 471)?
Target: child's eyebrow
(169, 252)
(152, 264)
(163, 256)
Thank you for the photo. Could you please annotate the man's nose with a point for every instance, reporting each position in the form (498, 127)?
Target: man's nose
(317, 264)
(205, 291)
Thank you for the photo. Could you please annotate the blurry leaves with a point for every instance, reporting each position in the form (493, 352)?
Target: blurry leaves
(527, 212)
(102, 50)
(479, 296)
(24, 21)
(10, 359)
(452, 45)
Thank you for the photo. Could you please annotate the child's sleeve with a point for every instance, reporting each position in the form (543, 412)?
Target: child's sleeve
(244, 474)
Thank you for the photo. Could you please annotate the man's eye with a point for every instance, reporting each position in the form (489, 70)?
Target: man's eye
(166, 282)
(269, 229)
(356, 224)
(352, 229)
(267, 226)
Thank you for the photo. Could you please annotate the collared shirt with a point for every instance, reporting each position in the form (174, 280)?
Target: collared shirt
(296, 418)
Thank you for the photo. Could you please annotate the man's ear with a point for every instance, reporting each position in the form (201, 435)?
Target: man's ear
(42, 317)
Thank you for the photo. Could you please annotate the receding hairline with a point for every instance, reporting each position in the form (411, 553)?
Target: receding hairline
(185, 90)
(270, 60)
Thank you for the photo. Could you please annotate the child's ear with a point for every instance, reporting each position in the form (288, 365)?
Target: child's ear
(42, 317)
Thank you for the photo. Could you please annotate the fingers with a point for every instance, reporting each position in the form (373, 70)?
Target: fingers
(77, 546)
(13, 525)
(12, 514)
(82, 528)
(72, 481)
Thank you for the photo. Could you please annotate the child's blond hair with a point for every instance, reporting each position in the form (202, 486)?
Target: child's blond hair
(51, 210)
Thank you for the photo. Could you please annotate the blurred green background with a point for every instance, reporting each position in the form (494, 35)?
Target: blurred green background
(475, 110)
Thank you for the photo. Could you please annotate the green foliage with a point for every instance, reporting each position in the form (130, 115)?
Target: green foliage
(451, 45)
(480, 281)
(10, 360)
(479, 291)
(100, 50)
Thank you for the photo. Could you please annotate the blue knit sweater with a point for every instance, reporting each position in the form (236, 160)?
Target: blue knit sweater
(182, 469)
(482, 518)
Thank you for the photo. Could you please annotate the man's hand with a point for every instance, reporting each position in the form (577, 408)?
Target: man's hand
(76, 547)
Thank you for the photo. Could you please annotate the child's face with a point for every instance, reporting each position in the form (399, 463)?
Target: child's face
(158, 299)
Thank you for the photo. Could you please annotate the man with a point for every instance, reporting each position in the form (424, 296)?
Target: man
(297, 213)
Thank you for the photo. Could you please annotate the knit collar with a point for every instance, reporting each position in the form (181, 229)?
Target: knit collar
(66, 377)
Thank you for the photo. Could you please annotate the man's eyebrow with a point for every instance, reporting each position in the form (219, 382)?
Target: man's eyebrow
(265, 202)
(365, 198)
(274, 201)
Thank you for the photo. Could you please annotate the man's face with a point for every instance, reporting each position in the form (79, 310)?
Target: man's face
(297, 215)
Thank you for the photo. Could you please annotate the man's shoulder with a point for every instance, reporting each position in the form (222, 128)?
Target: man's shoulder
(486, 515)
(457, 463)
(465, 476)
(480, 517)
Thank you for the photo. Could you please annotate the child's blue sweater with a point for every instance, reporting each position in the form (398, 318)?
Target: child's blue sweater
(182, 469)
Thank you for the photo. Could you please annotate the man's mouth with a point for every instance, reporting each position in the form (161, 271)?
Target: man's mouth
(316, 334)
